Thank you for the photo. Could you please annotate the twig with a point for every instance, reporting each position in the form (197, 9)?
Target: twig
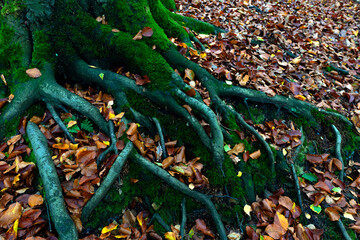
(177, 185)
(162, 140)
(58, 120)
(183, 219)
(338, 151)
(63, 223)
(114, 172)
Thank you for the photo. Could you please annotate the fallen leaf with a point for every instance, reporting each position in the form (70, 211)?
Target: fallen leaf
(33, 73)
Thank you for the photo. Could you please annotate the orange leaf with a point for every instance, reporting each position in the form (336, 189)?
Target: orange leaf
(170, 236)
(282, 221)
(201, 227)
(286, 202)
(61, 146)
(255, 155)
(35, 200)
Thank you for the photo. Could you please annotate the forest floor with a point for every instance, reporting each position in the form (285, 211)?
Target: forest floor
(309, 50)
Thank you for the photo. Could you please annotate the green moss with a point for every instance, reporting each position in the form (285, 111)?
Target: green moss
(12, 7)
(133, 16)
(42, 50)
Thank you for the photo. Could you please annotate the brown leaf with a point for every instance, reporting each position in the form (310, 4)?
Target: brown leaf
(246, 156)
(147, 32)
(317, 158)
(167, 162)
(28, 218)
(191, 92)
(322, 185)
(189, 74)
(33, 73)
(9, 216)
(201, 227)
(14, 139)
(238, 148)
(332, 213)
(286, 202)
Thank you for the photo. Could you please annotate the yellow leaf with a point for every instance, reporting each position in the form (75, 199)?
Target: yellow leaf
(119, 116)
(282, 220)
(247, 209)
(355, 32)
(71, 123)
(106, 143)
(170, 236)
(308, 216)
(109, 228)
(74, 146)
(191, 186)
(239, 174)
(202, 55)
(349, 216)
(111, 115)
(300, 97)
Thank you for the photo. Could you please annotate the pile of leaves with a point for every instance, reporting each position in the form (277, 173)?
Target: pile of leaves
(306, 49)
(278, 218)
(325, 190)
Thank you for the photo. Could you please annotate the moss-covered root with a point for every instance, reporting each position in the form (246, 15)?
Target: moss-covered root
(171, 27)
(196, 25)
(338, 151)
(177, 185)
(64, 225)
(113, 174)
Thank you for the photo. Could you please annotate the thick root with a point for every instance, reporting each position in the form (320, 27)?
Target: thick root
(64, 225)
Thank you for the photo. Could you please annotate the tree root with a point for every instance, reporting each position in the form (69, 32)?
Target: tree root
(296, 180)
(64, 225)
(58, 120)
(338, 151)
(106, 184)
(183, 218)
(162, 140)
(343, 230)
(176, 184)
(112, 147)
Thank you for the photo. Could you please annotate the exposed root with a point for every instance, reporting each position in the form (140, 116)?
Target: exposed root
(343, 230)
(176, 184)
(183, 218)
(161, 221)
(112, 147)
(292, 166)
(338, 151)
(58, 120)
(162, 140)
(64, 225)
(106, 184)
